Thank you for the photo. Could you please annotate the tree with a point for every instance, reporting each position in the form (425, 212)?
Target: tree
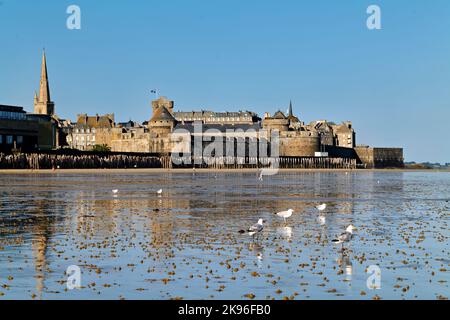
(101, 148)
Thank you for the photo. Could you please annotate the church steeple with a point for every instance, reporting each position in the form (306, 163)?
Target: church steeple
(43, 103)
(44, 91)
(290, 114)
(292, 119)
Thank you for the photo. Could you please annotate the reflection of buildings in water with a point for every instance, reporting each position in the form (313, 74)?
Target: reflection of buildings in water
(122, 213)
(41, 229)
(381, 182)
(162, 234)
(322, 220)
(39, 247)
(96, 216)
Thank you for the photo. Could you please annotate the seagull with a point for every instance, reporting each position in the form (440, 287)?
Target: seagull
(115, 191)
(285, 214)
(345, 237)
(260, 175)
(159, 191)
(254, 229)
(321, 207)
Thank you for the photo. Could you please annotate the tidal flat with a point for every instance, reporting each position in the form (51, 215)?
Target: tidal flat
(184, 242)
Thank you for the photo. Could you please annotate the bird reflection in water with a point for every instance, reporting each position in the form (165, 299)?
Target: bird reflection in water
(258, 251)
(345, 266)
(285, 232)
(321, 220)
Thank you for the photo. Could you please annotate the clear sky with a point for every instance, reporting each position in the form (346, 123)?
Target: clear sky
(394, 83)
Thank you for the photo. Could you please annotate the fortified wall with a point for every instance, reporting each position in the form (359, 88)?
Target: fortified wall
(372, 158)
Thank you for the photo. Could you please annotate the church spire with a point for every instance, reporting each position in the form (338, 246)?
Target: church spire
(44, 91)
(290, 109)
(42, 102)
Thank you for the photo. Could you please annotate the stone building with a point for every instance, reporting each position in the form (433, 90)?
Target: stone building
(344, 135)
(162, 102)
(160, 128)
(295, 139)
(211, 117)
(89, 131)
(331, 134)
(169, 132)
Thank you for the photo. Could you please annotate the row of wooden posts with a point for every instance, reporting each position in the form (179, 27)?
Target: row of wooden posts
(55, 161)
(249, 162)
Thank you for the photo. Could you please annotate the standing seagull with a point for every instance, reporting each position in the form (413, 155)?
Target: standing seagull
(159, 191)
(260, 175)
(285, 214)
(321, 207)
(115, 191)
(345, 237)
(254, 229)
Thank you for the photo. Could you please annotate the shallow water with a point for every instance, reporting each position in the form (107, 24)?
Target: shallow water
(185, 243)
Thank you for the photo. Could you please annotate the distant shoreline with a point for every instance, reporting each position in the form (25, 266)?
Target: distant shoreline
(197, 170)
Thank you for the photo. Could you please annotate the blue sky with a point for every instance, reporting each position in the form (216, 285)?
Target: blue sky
(394, 83)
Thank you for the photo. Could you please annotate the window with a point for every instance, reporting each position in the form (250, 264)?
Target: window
(9, 139)
(1, 139)
(19, 139)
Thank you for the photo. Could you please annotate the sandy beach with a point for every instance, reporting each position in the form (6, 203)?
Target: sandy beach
(205, 170)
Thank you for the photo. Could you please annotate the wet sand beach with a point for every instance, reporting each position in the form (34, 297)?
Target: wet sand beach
(199, 170)
(184, 243)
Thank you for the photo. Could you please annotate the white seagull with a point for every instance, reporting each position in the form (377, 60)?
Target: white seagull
(346, 236)
(159, 191)
(254, 229)
(115, 191)
(260, 175)
(321, 207)
(285, 214)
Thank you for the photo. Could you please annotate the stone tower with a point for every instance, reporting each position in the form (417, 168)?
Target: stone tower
(42, 103)
(162, 102)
